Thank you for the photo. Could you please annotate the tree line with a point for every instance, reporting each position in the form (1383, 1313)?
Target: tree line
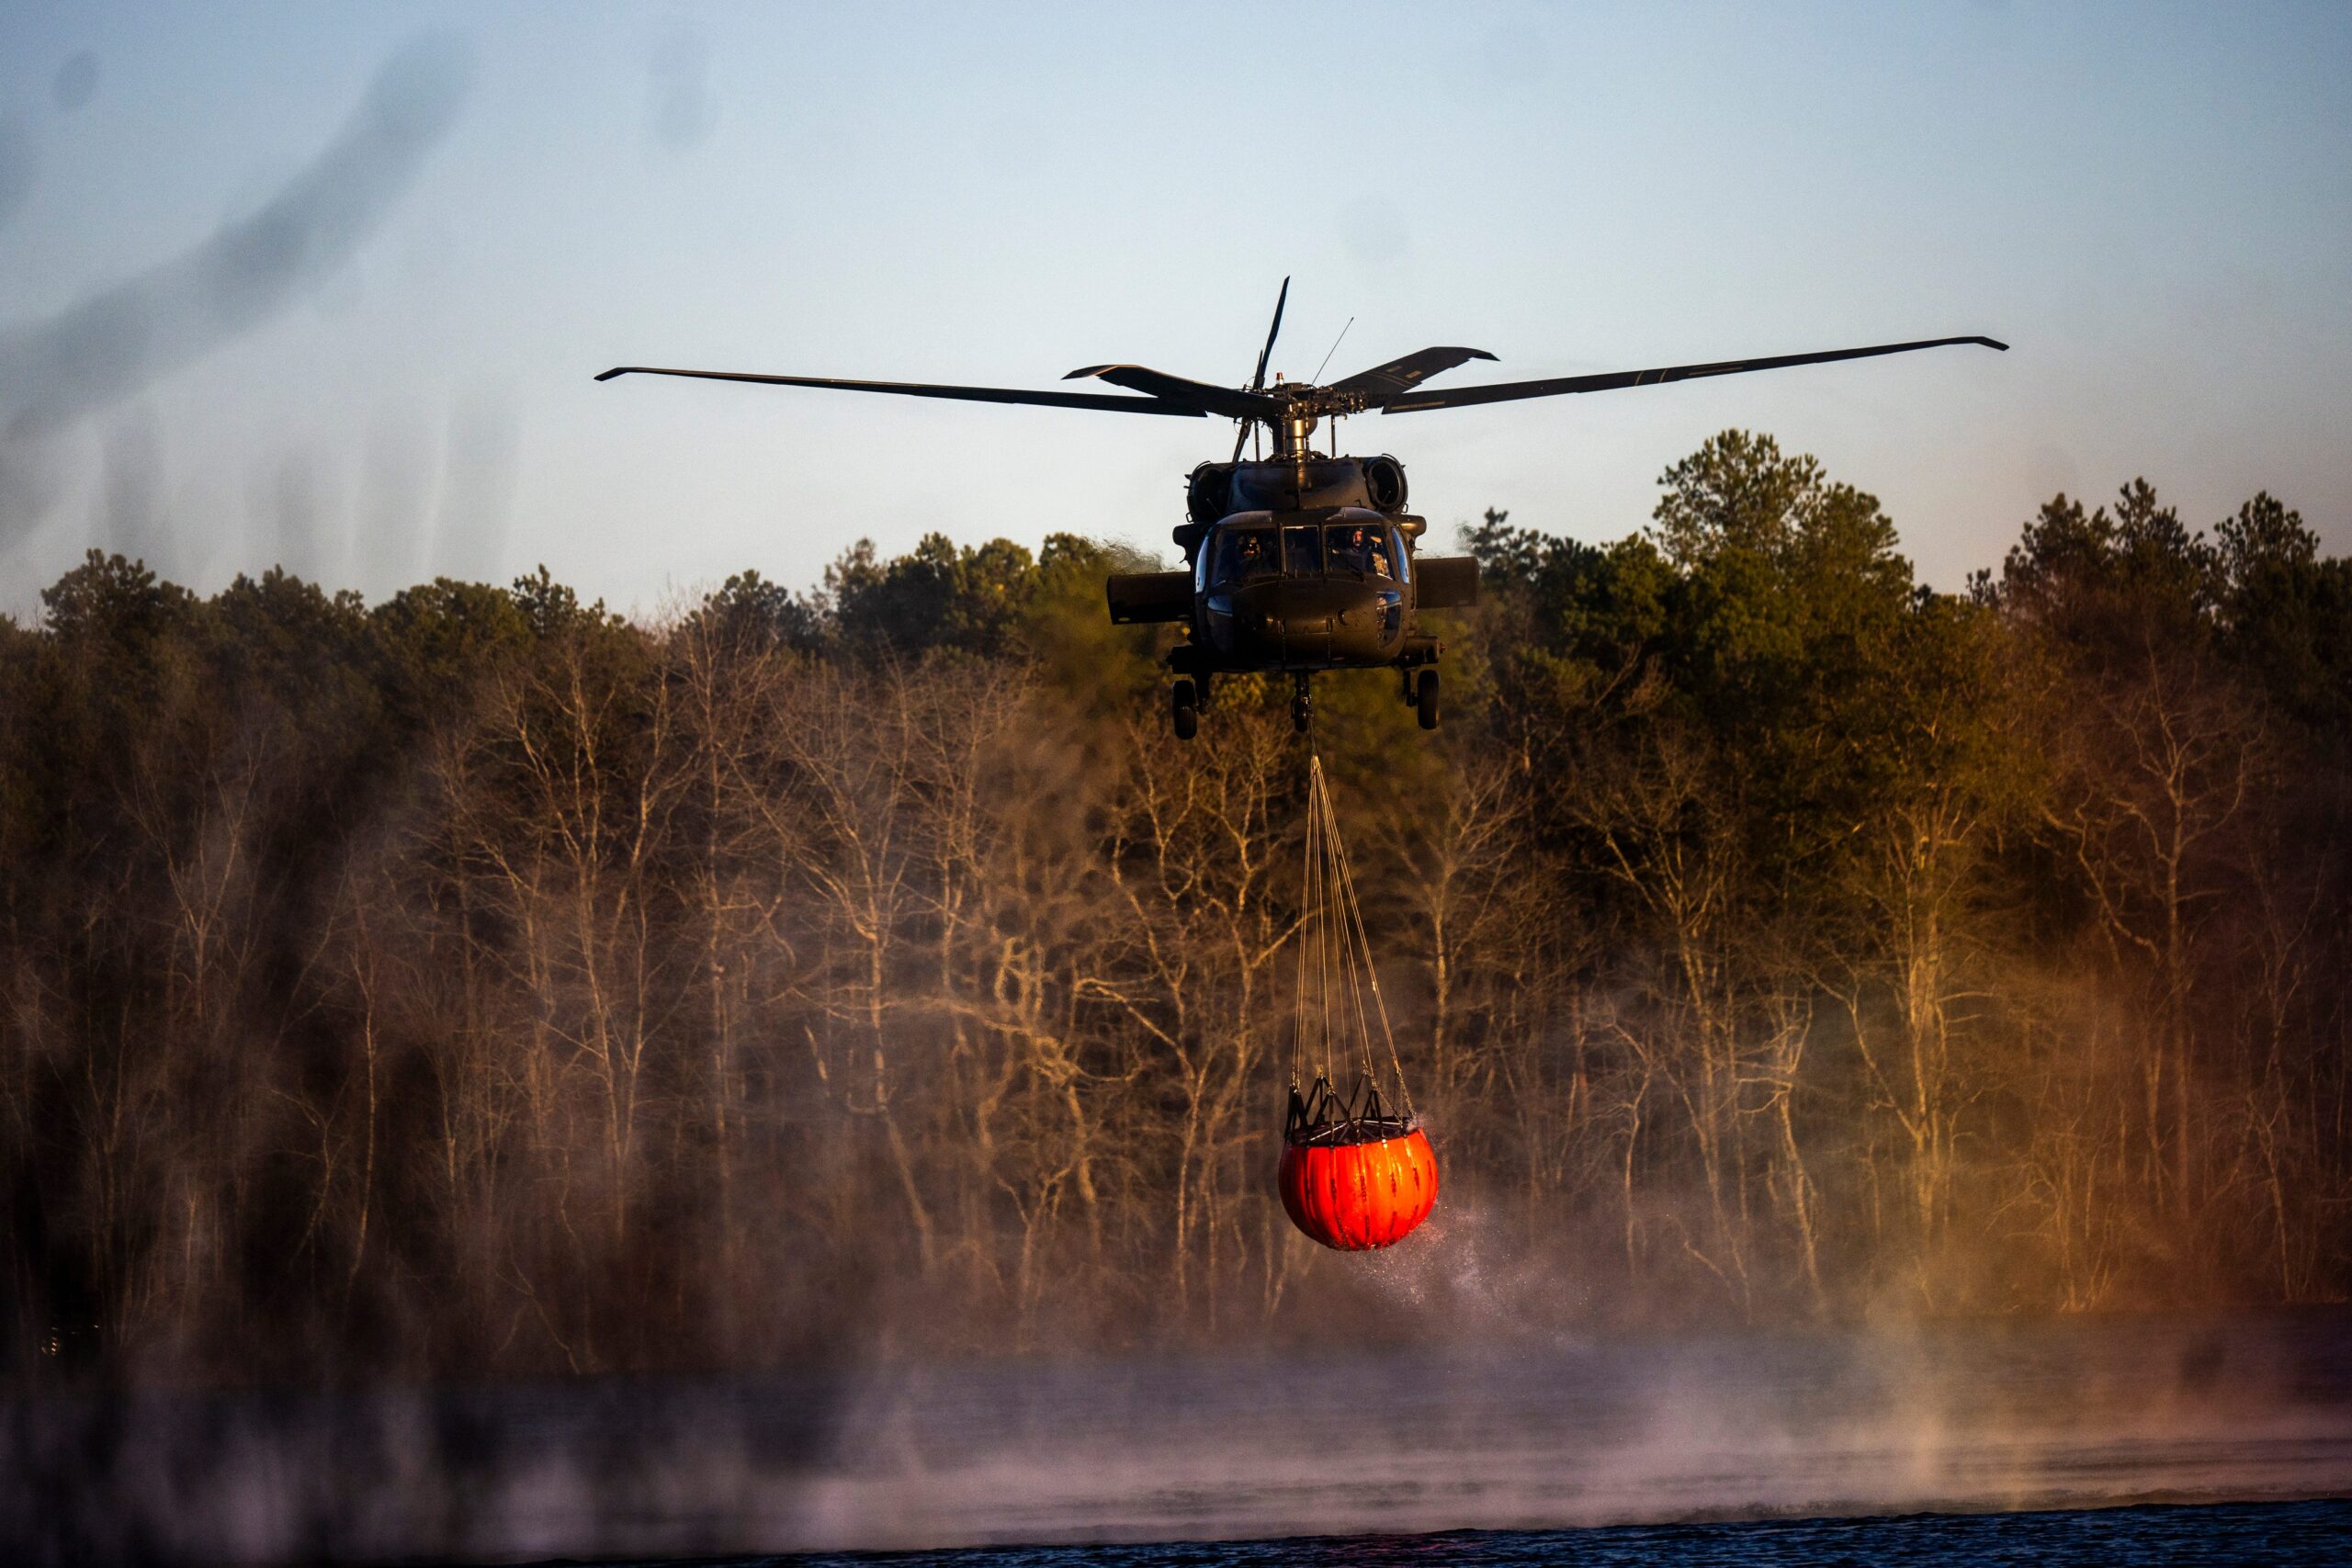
(481, 982)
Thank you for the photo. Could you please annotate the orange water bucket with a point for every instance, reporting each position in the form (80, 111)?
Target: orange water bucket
(1360, 1185)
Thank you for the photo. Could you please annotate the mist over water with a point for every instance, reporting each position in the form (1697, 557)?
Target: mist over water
(1474, 1435)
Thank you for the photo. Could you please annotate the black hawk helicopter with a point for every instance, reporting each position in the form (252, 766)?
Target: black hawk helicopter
(1300, 560)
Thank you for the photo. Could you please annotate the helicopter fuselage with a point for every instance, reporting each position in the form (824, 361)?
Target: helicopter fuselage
(1318, 588)
(1301, 563)
(1297, 563)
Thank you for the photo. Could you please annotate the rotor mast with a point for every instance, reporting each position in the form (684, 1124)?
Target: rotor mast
(1291, 430)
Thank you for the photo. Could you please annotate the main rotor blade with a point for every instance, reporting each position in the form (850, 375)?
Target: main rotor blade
(1257, 381)
(1462, 397)
(1196, 397)
(1401, 376)
(927, 389)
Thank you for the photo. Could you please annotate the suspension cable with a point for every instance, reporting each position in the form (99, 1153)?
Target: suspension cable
(1353, 912)
(1336, 965)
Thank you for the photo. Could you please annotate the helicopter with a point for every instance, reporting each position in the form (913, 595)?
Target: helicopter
(1297, 560)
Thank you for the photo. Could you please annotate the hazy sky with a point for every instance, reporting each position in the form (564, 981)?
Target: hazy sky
(326, 284)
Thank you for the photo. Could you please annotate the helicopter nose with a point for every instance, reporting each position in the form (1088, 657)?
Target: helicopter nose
(1290, 619)
(1344, 608)
(1337, 620)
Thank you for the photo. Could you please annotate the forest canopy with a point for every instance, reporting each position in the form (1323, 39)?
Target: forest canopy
(481, 982)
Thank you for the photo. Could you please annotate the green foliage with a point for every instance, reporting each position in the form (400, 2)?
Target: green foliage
(436, 642)
(107, 601)
(286, 640)
(1066, 630)
(1784, 575)
(1567, 625)
(2285, 613)
(2102, 580)
(750, 613)
(2134, 583)
(971, 600)
(1765, 618)
(551, 610)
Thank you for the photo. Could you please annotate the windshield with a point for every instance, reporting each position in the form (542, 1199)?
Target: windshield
(1358, 548)
(1244, 553)
(1302, 553)
(1238, 555)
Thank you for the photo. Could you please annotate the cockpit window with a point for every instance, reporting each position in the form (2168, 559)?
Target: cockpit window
(1244, 553)
(1358, 548)
(1302, 553)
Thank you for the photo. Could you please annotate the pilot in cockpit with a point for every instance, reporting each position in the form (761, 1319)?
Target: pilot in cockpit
(1356, 547)
(1243, 554)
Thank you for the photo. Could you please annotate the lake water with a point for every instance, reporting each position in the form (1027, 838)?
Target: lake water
(1968, 1420)
(2240, 1535)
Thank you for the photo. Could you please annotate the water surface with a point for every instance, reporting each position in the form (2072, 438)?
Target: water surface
(2232, 1533)
(1958, 1420)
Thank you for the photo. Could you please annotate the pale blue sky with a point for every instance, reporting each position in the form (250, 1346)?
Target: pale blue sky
(2154, 205)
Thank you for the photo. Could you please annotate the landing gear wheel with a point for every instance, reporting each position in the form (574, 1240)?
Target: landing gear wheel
(1186, 710)
(1425, 699)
